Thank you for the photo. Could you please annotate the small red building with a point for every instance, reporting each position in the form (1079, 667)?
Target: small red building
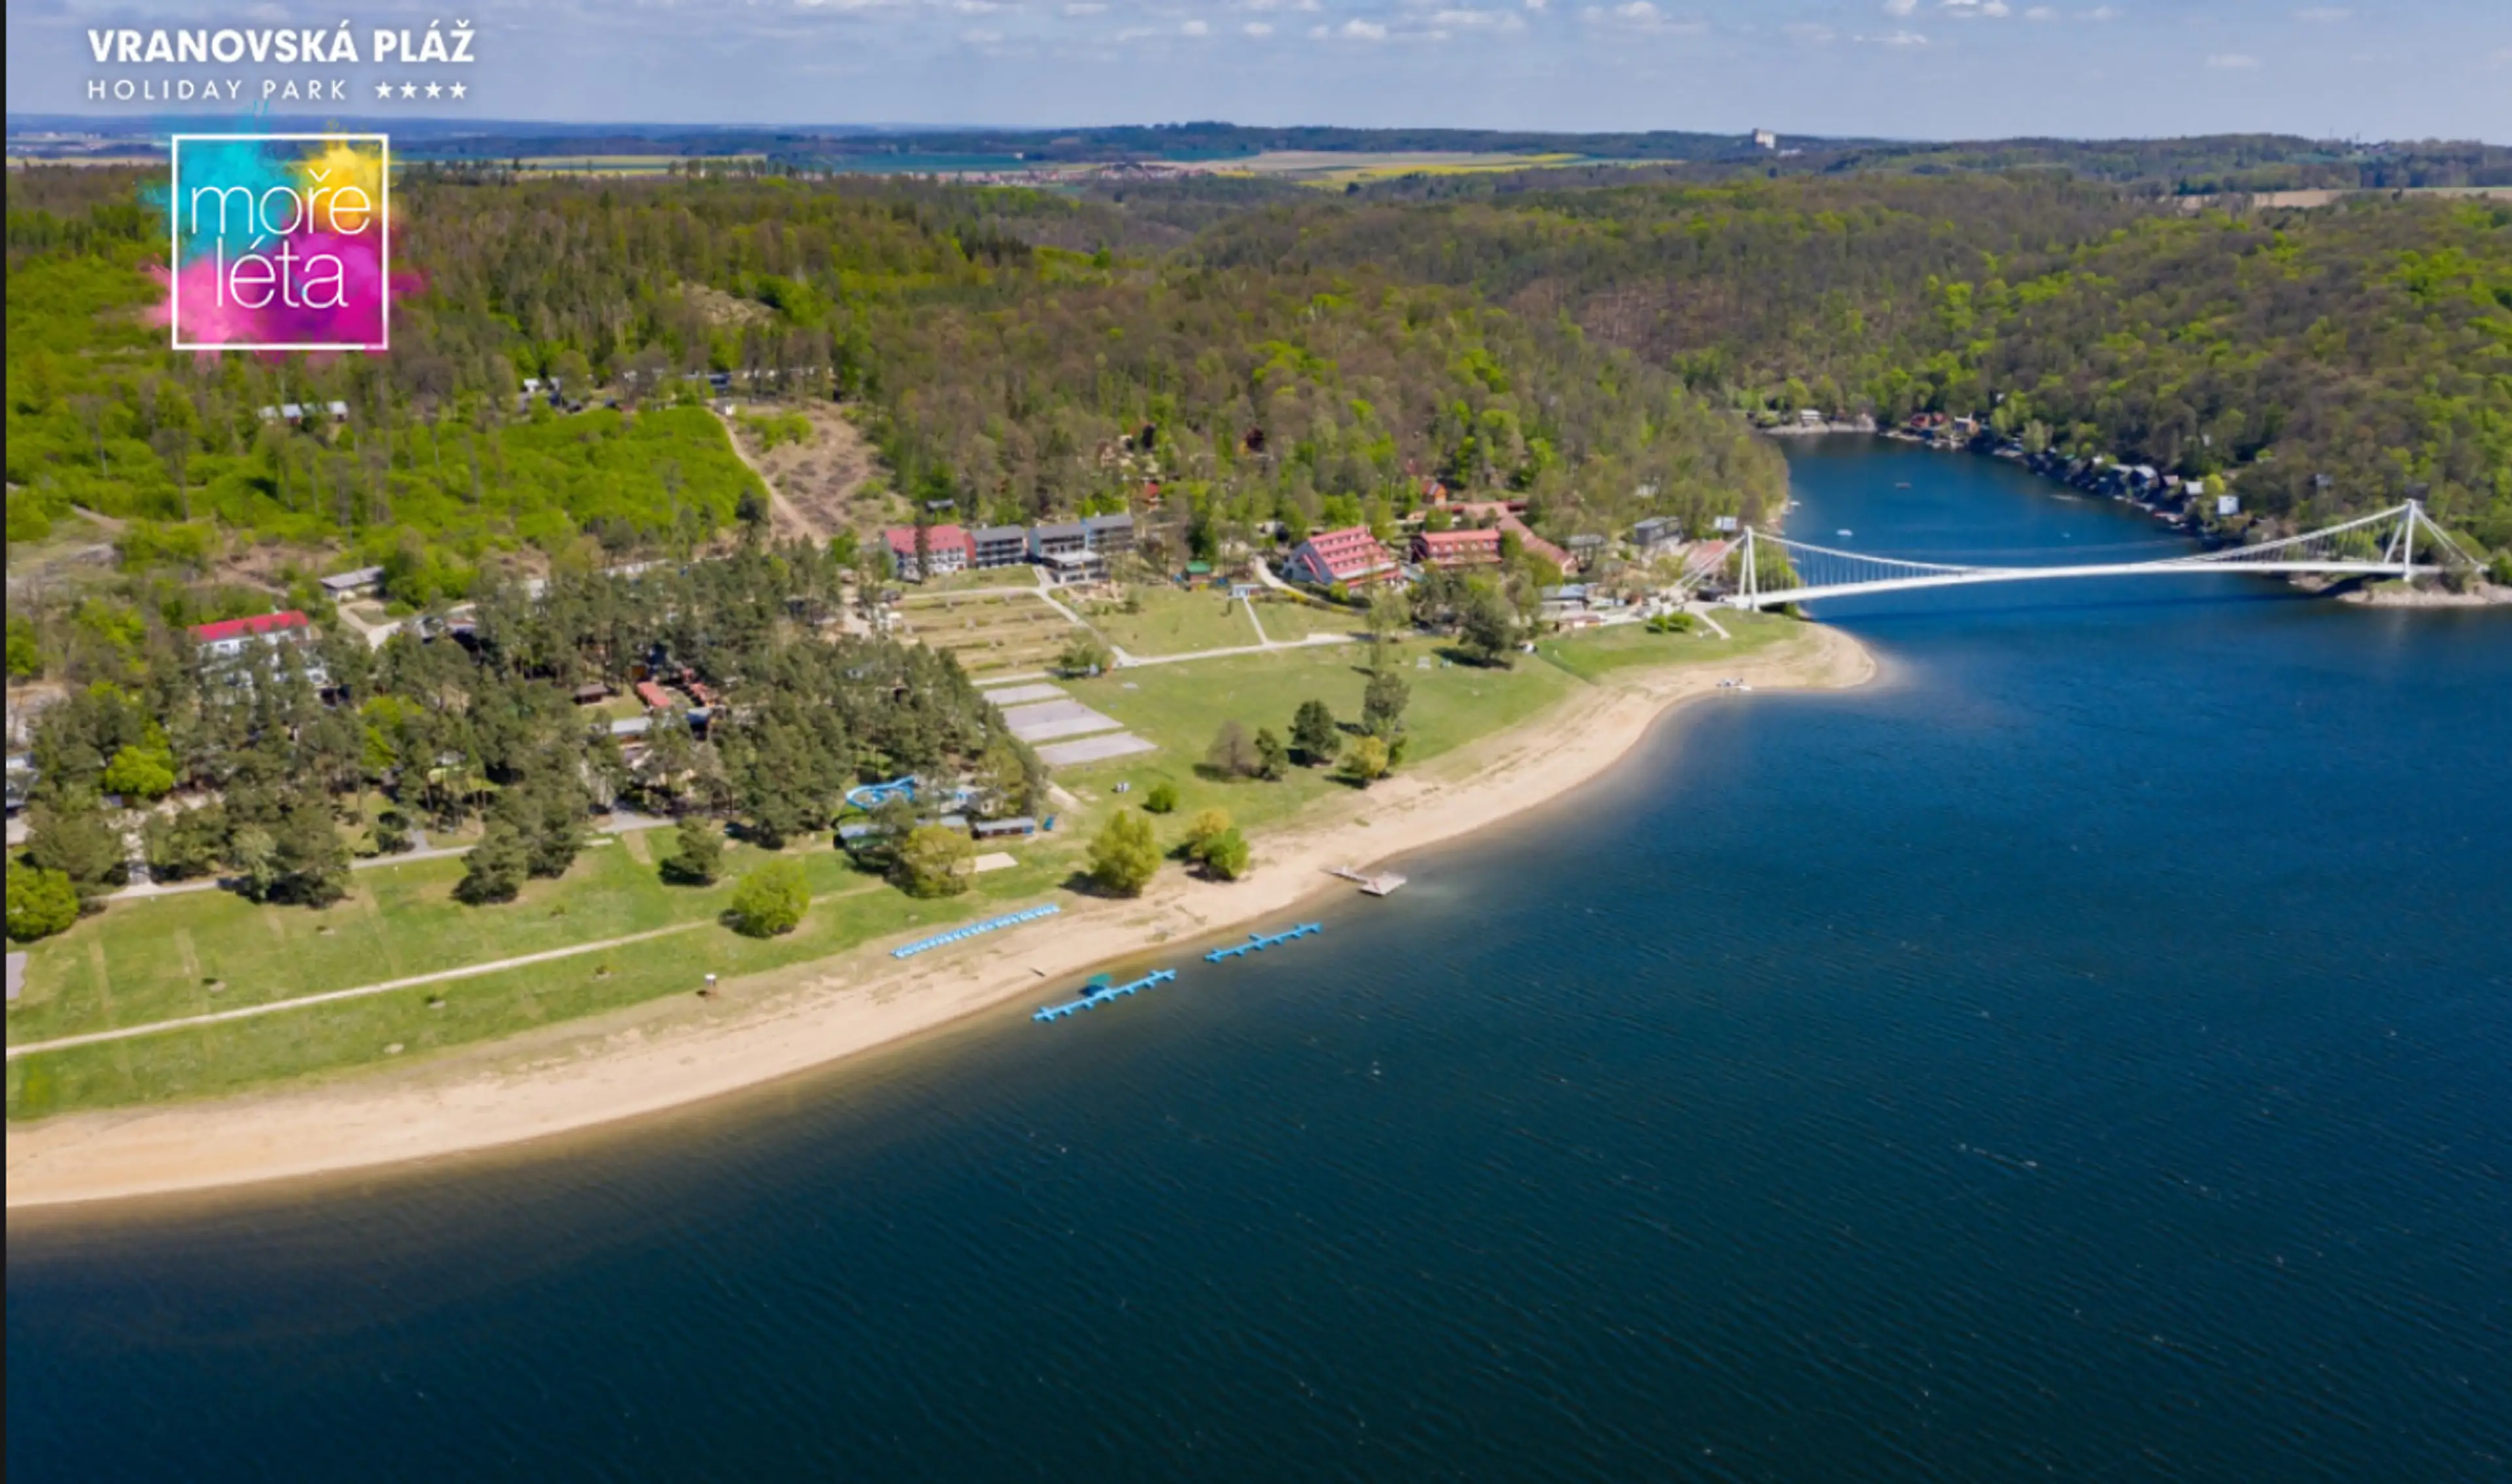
(1468, 547)
(655, 697)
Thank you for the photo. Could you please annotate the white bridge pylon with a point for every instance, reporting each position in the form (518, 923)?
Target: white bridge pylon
(2402, 541)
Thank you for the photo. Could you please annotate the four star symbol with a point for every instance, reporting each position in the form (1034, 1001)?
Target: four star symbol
(434, 90)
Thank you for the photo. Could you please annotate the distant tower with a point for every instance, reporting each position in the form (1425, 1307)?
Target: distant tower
(1764, 139)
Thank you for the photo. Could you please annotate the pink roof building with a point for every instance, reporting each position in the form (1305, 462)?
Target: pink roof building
(1350, 555)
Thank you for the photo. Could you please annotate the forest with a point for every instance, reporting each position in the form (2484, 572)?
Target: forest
(1227, 359)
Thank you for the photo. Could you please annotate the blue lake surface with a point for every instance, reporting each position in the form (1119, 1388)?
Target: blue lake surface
(2085, 1055)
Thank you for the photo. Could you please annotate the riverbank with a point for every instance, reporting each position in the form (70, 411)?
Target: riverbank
(675, 1052)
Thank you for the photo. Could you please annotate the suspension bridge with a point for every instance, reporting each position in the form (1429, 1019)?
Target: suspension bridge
(1766, 570)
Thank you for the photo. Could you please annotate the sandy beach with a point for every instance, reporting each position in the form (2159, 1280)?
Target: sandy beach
(681, 1050)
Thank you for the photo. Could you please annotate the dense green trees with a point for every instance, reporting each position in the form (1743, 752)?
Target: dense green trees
(697, 855)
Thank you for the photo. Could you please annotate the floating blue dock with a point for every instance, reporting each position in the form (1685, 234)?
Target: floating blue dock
(958, 935)
(1101, 993)
(1257, 942)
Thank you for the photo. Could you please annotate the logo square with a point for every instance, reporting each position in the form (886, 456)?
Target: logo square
(281, 241)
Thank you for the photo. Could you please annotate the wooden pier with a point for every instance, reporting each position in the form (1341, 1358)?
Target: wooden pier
(1384, 884)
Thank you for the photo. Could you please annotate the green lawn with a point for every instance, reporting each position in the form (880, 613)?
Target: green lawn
(149, 961)
(978, 579)
(1290, 618)
(1182, 706)
(1175, 622)
(1598, 653)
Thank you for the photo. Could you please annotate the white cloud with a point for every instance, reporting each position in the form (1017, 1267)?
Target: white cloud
(1478, 20)
(2232, 61)
(1357, 29)
(1194, 29)
(1135, 33)
(1808, 31)
(1899, 6)
(1257, 28)
(2102, 13)
(1085, 8)
(2322, 15)
(2041, 12)
(1537, 5)
(1899, 39)
(981, 38)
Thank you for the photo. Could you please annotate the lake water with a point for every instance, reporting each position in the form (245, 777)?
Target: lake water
(2087, 1056)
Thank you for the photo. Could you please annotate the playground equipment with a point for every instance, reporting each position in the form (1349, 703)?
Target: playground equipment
(873, 796)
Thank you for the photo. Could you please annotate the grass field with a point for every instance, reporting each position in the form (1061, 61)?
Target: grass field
(1600, 652)
(149, 961)
(1182, 707)
(1289, 619)
(1174, 621)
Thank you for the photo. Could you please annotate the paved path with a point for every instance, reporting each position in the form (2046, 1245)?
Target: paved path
(247, 1013)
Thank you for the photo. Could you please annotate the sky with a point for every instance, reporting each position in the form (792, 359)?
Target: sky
(1894, 69)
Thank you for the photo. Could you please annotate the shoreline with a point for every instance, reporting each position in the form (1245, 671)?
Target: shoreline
(675, 1052)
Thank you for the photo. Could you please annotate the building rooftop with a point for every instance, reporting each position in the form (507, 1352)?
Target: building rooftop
(258, 623)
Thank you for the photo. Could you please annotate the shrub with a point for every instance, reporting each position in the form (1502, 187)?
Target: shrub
(1161, 799)
(1365, 761)
(1232, 755)
(41, 903)
(1125, 857)
(770, 900)
(1224, 857)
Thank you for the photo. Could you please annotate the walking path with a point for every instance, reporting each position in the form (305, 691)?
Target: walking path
(125, 1033)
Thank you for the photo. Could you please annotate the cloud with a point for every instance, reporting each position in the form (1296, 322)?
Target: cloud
(1478, 20)
(2041, 12)
(2322, 15)
(981, 38)
(1808, 31)
(2102, 13)
(1899, 6)
(1639, 16)
(1257, 28)
(2233, 61)
(1085, 8)
(1537, 5)
(1194, 29)
(1357, 29)
(1962, 9)
(1904, 39)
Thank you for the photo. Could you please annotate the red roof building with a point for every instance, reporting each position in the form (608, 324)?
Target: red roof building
(948, 546)
(1350, 555)
(655, 697)
(1529, 542)
(230, 636)
(1470, 547)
